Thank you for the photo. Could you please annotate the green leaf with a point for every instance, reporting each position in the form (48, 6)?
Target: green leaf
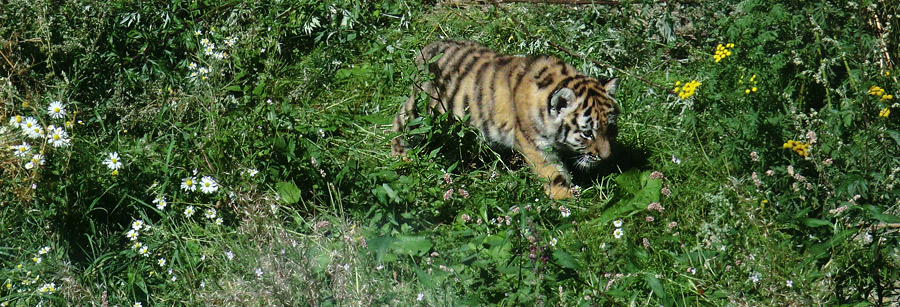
(411, 245)
(657, 288)
(289, 192)
(566, 260)
(810, 222)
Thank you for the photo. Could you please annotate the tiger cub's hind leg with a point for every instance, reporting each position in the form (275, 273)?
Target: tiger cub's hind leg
(400, 144)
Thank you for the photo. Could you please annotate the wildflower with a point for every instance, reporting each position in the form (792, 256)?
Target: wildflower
(789, 283)
(884, 112)
(16, 121)
(21, 150)
(553, 242)
(649, 218)
(144, 251)
(161, 262)
(252, 172)
(576, 191)
(131, 234)
(463, 193)
(420, 297)
(564, 211)
(56, 109)
(756, 180)
(800, 148)
(44, 250)
(219, 221)
(189, 211)
(137, 245)
(28, 123)
(36, 260)
(465, 218)
(112, 162)
(189, 184)
(811, 137)
(656, 175)
(828, 161)
(198, 32)
(192, 66)
(617, 223)
(687, 90)
(448, 194)
(208, 184)
(48, 288)
(886, 97)
(618, 233)
(722, 52)
(665, 191)
(876, 91)
(229, 255)
(754, 278)
(160, 202)
(137, 225)
(35, 132)
(447, 178)
(57, 136)
(693, 271)
(676, 160)
(137, 304)
(210, 213)
(672, 224)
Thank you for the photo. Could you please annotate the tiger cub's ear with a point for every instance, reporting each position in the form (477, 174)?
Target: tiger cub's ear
(561, 99)
(611, 86)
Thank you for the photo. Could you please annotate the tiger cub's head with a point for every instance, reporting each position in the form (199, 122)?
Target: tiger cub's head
(587, 115)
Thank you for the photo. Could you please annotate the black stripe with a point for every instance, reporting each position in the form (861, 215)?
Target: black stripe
(565, 70)
(541, 72)
(480, 89)
(503, 60)
(457, 80)
(545, 82)
(488, 121)
(525, 68)
(560, 180)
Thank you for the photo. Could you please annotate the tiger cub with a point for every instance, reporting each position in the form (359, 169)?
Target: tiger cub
(539, 106)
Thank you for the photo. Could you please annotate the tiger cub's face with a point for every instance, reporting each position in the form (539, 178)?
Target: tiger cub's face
(587, 115)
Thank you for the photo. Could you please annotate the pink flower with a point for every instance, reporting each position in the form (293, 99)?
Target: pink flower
(665, 191)
(448, 194)
(656, 175)
(655, 206)
(649, 218)
(463, 193)
(754, 156)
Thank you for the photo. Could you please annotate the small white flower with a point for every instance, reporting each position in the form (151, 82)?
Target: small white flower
(37, 159)
(137, 225)
(112, 161)
(48, 288)
(138, 304)
(161, 262)
(57, 136)
(160, 202)
(210, 213)
(144, 251)
(192, 66)
(189, 184)
(198, 32)
(617, 223)
(259, 272)
(189, 211)
(132, 234)
(56, 109)
(36, 259)
(564, 211)
(754, 278)
(208, 185)
(618, 233)
(229, 255)
(44, 250)
(137, 245)
(420, 297)
(790, 283)
(219, 221)
(16, 121)
(676, 160)
(252, 172)
(174, 278)
(553, 241)
(29, 165)
(28, 123)
(21, 150)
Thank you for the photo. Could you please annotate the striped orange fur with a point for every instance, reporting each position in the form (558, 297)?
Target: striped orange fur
(539, 106)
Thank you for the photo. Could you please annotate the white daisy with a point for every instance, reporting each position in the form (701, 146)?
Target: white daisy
(617, 223)
(29, 165)
(57, 136)
(210, 213)
(44, 250)
(161, 262)
(208, 184)
(618, 233)
(189, 211)
(252, 172)
(21, 150)
(189, 184)
(144, 251)
(56, 109)
(112, 162)
(160, 202)
(132, 234)
(16, 121)
(219, 221)
(28, 124)
(137, 245)
(137, 225)
(35, 132)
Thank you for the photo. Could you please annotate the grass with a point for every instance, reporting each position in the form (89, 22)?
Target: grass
(287, 107)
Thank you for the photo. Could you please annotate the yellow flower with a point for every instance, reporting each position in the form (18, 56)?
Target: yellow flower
(884, 112)
(747, 91)
(886, 97)
(753, 89)
(876, 91)
(722, 51)
(688, 89)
